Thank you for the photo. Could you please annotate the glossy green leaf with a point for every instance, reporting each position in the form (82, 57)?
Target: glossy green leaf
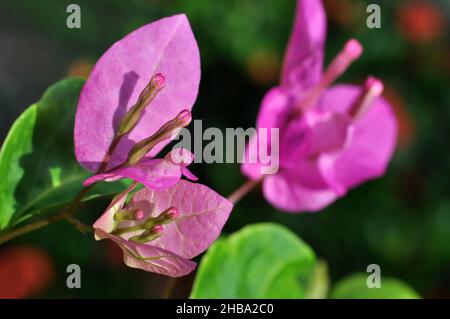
(355, 287)
(37, 163)
(259, 261)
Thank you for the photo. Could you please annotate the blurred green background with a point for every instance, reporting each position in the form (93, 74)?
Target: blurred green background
(401, 221)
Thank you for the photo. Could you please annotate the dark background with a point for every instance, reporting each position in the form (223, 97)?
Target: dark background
(400, 221)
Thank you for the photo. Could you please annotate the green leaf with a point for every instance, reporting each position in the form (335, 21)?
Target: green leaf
(37, 163)
(355, 287)
(259, 261)
(319, 283)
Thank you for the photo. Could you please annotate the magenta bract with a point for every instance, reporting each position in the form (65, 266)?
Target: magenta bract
(200, 216)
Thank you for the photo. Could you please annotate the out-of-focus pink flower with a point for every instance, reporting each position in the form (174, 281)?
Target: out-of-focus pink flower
(331, 138)
(24, 271)
(160, 231)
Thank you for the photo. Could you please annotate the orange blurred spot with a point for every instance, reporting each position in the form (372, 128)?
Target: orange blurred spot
(263, 67)
(420, 22)
(80, 68)
(406, 127)
(24, 271)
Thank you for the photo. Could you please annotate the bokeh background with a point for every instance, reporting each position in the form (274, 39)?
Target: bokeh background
(400, 221)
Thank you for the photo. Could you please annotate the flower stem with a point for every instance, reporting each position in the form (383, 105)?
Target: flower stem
(83, 228)
(64, 215)
(243, 190)
(30, 227)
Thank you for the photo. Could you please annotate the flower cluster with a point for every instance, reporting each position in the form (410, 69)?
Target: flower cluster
(136, 99)
(140, 94)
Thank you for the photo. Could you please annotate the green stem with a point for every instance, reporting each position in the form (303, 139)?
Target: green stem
(243, 190)
(64, 215)
(30, 227)
(83, 228)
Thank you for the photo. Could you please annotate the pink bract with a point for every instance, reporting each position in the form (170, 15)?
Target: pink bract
(201, 215)
(166, 46)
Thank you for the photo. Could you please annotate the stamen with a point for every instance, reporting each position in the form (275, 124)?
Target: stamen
(129, 121)
(372, 89)
(166, 131)
(151, 223)
(168, 216)
(128, 215)
(352, 51)
(125, 230)
(149, 235)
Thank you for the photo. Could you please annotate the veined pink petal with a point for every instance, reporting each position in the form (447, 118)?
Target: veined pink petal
(203, 214)
(287, 193)
(150, 258)
(371, 143)
(166, 46)
(303, 62)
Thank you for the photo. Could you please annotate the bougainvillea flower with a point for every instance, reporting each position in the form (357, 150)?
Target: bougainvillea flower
(160, 231)
(331, 138)
(166, 47)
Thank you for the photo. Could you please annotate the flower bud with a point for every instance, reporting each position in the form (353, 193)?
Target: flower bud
(127, 215)
(149, 235)
(168, 215)
(166, 131)
(129, 121)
